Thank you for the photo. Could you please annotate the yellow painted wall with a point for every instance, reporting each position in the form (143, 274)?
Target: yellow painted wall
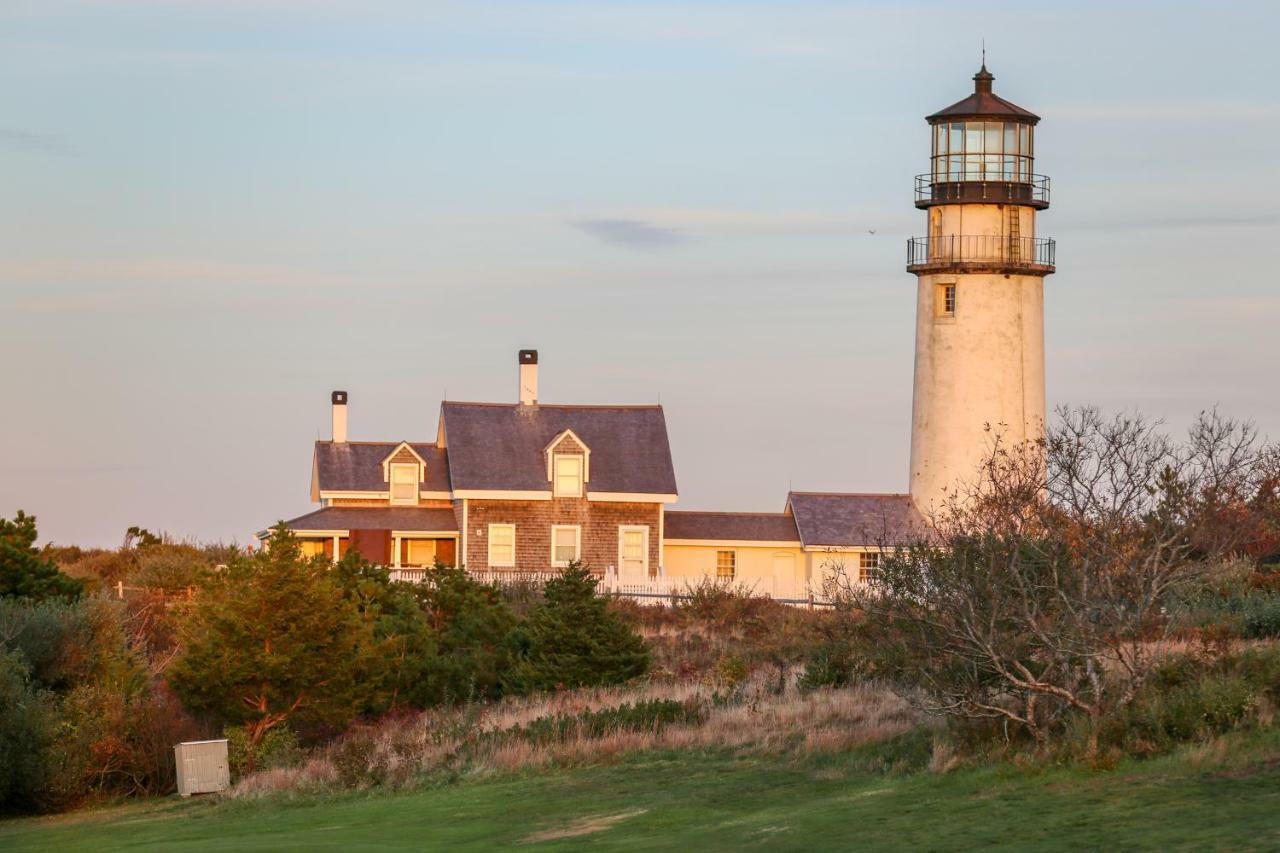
(781, 572)
(777, 571)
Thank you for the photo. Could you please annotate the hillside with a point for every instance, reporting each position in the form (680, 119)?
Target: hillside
(1224, 795)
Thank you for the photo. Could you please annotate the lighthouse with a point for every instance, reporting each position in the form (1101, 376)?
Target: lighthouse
(979, 360)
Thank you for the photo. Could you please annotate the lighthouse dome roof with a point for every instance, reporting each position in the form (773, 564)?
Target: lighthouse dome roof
(984, 103)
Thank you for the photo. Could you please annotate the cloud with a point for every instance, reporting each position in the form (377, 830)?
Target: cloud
(631, 233)
(1206, 220)
(25, 140)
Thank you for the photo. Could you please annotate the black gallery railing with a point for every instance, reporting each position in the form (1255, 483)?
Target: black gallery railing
(980, 250)
(931, 188)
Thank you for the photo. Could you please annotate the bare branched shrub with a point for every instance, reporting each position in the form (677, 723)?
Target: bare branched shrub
(1042, 591)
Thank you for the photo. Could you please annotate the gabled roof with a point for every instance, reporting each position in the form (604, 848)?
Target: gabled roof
(836, 520)
(730, 526)
(356, 466)
(498, 446)
(395, 451)
(377, 518)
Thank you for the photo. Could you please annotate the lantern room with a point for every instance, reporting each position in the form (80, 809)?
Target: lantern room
(983, 150)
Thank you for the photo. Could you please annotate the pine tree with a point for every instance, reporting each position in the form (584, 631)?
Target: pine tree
(274, 640)
(573, 639)
(24, 572)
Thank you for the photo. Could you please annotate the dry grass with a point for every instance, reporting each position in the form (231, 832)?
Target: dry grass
(583, 826)
(485, 741)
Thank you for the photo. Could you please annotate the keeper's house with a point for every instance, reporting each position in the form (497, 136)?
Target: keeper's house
(530, 487)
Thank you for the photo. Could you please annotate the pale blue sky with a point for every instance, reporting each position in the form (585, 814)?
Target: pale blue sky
(215, 212)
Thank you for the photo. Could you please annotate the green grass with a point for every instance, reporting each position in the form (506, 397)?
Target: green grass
(719, 802)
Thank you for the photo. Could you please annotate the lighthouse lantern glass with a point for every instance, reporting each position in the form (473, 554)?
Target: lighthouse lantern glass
(982, 151)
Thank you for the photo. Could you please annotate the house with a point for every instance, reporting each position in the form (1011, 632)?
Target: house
(515, 487)
(528, 487)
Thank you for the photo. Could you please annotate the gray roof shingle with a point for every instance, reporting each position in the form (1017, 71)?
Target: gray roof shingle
(376, 518)
(741, 526)
(827, 519)
(500, 446)
(356, 466)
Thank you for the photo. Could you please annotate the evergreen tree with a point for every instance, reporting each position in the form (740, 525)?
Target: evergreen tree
(406, 652)
(573, 639)
(274, 640)
(473, 626)
(24, 571)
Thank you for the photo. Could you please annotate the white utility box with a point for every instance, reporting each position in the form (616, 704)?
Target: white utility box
(202, 767)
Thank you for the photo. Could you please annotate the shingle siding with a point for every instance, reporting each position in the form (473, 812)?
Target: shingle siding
(534, 519)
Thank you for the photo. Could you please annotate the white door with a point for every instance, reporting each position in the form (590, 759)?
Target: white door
(633, 554)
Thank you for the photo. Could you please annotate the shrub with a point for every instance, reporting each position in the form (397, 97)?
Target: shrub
(172, 567)
(830, 665)
(405, 648)
(278, 748)
(472, 625)
(26, 714)
(573, 639)
(356, 759)
(646, 716)
(1264, 621)
(732, 671)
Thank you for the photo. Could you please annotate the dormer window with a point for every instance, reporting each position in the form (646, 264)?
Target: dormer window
(567, 475)
(404, 484)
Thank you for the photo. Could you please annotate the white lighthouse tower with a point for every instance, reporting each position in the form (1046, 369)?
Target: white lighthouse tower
(980, 292)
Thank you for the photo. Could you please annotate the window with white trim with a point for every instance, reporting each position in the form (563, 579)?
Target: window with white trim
(869, 566)
(633, 551)
(567, 475)
(726, 565)
(404, 483)
(502, 545)
(566, 545)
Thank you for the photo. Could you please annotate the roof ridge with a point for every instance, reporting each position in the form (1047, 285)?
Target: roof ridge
(371, 443)
(852, 494)
(726, 512)
(553, 405)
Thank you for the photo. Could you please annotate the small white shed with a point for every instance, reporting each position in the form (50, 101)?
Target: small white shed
(202, 767)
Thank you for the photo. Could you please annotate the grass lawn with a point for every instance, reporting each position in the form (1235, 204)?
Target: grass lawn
(698, 802)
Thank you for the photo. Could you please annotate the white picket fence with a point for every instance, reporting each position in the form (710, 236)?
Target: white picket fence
(658, 590)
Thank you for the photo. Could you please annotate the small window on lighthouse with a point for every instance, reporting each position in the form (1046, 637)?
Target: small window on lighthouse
(946, 300)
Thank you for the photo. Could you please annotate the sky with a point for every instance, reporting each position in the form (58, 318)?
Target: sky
(214, 212)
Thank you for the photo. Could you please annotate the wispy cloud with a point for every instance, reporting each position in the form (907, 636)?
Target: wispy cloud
(25, 140)
(631, 233)
(1205, 220)
(1183, 110)
(634, 227)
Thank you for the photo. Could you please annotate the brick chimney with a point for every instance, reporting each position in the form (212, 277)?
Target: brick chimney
(528, 377)
(339, 416)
